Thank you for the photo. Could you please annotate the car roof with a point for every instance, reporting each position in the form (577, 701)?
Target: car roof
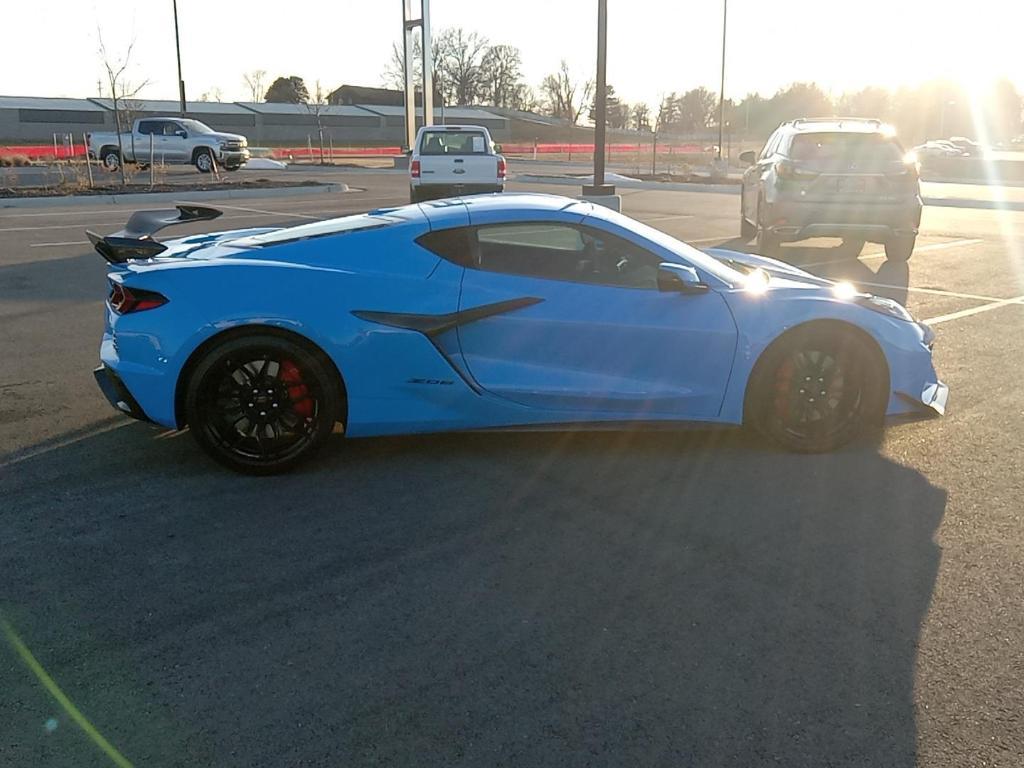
(453, 128)
(452, 211)
(837, 125)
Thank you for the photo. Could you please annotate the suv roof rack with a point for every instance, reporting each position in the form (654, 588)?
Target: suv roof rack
(838, 120)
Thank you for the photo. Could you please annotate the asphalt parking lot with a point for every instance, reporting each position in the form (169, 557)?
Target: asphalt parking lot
(677, 599)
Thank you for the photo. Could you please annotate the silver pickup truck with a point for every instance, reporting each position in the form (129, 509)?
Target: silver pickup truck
(174, 140)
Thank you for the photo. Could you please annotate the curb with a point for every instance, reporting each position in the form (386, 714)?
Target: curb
(667, 186)
(161, 197)
(935, 202)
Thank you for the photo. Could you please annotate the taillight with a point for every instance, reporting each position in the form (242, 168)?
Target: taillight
(124, 300)
(785, 169)
(414, 169)
(502, 167)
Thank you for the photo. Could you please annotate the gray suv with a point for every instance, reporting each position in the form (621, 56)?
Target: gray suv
(834, 177)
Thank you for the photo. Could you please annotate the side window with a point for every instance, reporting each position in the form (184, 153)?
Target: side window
(147, 127)
(565, 252)
(171, 129)
(766, 151)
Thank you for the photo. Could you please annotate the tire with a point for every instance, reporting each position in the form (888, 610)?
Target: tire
(295, 401)
(781, 405)
(900, 248)
(415, 196)
(747, 229)
(111, 159)
(852, 247)
(767, 243)
(203, 161)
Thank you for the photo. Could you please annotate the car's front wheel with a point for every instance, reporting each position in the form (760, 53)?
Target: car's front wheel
(204, 161)
(817, 389)
(111, 159)
(767, 241)
(261, 404)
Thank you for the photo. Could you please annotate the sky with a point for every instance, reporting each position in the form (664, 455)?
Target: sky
(654, 46)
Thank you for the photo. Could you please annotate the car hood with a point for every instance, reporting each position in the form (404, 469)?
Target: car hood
(218, 136)
(779, 271)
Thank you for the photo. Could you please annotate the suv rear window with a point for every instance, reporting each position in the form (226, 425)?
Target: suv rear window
(453, 143)
(833, 151)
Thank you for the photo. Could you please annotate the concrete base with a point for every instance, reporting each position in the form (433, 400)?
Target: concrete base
(608, 201)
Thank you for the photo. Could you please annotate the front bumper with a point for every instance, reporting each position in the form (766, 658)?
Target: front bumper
(877, 222)
(234, 156)
(117, 393)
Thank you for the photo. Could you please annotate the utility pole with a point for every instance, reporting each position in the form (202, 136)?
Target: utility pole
(721, 87)
(177, 48)
(599, 188)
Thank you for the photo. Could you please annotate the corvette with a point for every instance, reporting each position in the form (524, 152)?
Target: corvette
(488, 312)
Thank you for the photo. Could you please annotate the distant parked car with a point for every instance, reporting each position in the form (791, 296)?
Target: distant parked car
(835, 177)
(452, 160)
(969, 147)
(175, 140)
(932, 149)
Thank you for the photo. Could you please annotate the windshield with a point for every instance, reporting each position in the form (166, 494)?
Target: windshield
(695, 257)
(832, 151)
(194, 126)
(453, 143)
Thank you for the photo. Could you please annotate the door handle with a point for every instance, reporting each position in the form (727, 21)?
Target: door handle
(458, 160)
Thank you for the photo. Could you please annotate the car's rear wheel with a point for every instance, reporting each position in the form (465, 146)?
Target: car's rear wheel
(900, 248)
(111, 159)
(817, 389)
(747, 229)
(767, 242)
(261, 404)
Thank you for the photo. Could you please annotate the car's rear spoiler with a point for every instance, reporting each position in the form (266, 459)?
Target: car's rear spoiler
(136, 241)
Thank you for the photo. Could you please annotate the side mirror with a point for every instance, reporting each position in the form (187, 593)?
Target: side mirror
(181, 134)
(676, 278)
(749, 157)
(497, 149)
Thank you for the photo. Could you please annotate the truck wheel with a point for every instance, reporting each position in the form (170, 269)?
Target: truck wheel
(111, 159)
(204, 161)
(900, 248)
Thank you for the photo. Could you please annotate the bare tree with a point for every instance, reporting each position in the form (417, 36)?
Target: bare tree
(316, 106)
(213, 93)
(120, 90)
(254, 82)
(501, 75)
(393, 75)
(641, 117)
(459, 57)
(564, 96)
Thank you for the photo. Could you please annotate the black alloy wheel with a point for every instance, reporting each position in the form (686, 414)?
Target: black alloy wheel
(261, 404)
(817, 391)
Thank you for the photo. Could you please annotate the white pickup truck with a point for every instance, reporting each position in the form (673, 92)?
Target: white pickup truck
(449, 160)
(175, 140)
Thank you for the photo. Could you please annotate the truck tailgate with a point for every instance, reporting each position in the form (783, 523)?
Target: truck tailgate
(458, 169)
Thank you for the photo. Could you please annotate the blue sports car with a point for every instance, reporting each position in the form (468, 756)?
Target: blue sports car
(488, 312)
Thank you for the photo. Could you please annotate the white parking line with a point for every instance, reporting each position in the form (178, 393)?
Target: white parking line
(973, 311)
(933, 291)
(54, 245)
(667, 218)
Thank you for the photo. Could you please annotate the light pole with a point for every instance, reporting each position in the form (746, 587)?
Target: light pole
(177, 48)
(721, 87)
(599, 188)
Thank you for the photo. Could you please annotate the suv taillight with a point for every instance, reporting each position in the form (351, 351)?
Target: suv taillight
(502, 167)
(125, 300)
(414, 169)
(787, 169)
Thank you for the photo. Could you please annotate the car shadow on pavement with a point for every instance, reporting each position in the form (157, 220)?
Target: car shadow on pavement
(621, 598)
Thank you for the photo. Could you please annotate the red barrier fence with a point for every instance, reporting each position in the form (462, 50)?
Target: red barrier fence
(62, 152)
(39, 151)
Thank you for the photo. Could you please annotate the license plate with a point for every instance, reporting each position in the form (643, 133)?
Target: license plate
(850, 184)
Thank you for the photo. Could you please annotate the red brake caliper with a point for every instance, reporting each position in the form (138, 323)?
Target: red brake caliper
(302, 404)
(783, 388)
